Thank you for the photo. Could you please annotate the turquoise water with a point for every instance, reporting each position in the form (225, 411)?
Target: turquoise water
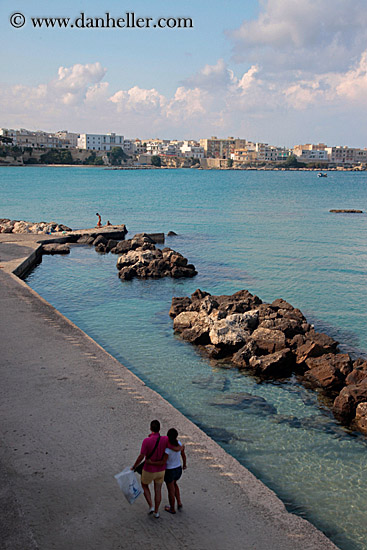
(269, 232)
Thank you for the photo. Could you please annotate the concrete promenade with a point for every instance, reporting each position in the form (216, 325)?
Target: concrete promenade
(71, 416)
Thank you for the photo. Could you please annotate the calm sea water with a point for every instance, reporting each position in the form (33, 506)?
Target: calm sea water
(269, 232)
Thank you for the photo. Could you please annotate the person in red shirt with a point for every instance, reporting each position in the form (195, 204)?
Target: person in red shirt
(153, 448)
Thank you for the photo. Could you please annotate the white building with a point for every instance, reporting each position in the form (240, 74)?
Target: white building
(192, 151)
(10, 133)
(100, 142)
(311, 153)
(35, 140)
(69, 140)
(346, 155)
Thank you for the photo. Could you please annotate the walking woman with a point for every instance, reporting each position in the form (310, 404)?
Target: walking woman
(174, 470)
(172, 462)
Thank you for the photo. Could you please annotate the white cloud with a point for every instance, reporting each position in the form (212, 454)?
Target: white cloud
(312, 35)
(213, 102)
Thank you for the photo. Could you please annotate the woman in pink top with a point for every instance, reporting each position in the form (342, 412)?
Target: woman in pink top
(153, 450)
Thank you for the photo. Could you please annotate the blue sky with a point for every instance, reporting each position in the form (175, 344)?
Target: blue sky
(280, 71)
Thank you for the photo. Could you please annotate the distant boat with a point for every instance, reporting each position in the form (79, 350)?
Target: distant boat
(321, 175)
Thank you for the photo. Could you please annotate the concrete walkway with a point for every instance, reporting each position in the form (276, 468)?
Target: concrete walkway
(72, 416)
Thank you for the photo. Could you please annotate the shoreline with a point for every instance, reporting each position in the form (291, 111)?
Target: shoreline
(249, 497)
(193, 168)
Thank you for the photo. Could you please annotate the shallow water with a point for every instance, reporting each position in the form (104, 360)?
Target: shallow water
(270, 232)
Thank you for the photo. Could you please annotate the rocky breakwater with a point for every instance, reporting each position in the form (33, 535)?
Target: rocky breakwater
(21, 226)
(139, 257)
(274, 340)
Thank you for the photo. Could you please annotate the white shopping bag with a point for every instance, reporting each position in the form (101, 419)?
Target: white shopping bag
(129, 484)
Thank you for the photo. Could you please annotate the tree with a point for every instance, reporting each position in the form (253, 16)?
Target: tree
(156, 161)
(229, 163)
(293, 162)
(56, 156)
(117, 155)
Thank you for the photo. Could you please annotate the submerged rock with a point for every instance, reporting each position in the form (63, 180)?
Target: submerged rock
(252, 403)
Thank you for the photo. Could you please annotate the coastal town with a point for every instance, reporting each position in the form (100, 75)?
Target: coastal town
(26, 147)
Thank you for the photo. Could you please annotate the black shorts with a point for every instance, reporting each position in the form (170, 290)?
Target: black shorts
(173, 474)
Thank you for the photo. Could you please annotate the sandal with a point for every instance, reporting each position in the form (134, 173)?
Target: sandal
(169, 510)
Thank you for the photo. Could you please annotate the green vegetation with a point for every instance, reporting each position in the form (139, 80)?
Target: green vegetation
(93, 160)
(156, 161)
(293, 162)
(57, 156)
(229, 163)
(117, 156)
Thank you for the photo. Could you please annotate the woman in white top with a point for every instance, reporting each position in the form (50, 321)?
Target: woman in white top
(174, 470)
(172, 460)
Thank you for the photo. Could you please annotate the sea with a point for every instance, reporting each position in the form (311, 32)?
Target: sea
(270, 232)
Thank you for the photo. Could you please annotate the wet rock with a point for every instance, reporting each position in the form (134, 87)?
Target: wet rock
(54, 248)
(325, 376)
(212, 382)
(179, 305)
(340, 361)
(100, 240)
(21, 226)
(290, 327)
(317, 344)
(358, 374)
(171, 234)
(273, 340)
(268, 341)
(252, 403)
(278, 364)
(198, 295)
(101, 248)
(234, 330)
(345, 404)
(178, 272)
(242, 357)
(361, 417)
(127, 273)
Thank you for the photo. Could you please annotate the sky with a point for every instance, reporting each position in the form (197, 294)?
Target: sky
(283, 72)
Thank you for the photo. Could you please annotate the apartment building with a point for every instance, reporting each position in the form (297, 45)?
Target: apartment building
(311, 153)
(69, 140)
(100, 142)
(192, 150)
(342, 156)
(28, 138)
(218, 148)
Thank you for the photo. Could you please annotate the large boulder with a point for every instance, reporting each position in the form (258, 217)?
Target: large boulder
(243, 356)
(346, 402)
(361, 417)
(234, 330)
(268, 341)
(276, 364)
(290, 327)
(179, 305)
(55, 248)
(325, 376)
(185, 319)
(340, 361)
(358, 374)
(317, 344)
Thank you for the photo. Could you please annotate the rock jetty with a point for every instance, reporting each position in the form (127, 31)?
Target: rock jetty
(21, 226)
(274, 340)
(139, 257)
(346, 211)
